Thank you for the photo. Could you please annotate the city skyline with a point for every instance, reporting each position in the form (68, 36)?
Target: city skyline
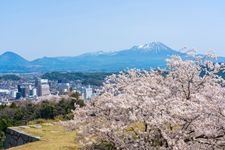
(35, 29)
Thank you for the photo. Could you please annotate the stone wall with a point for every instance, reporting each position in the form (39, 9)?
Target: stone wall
(15, 137)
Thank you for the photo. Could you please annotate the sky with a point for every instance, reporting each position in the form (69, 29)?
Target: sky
(38, 28)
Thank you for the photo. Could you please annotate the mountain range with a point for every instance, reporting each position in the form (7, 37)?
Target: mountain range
(145, 56)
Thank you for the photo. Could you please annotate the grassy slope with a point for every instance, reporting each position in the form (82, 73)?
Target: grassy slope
(53, 137)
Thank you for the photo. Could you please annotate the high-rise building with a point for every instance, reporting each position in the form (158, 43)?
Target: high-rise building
(19, 88)
(22, 92)
(88, 92)
(34, 92)
(42, 86)
(18, 95)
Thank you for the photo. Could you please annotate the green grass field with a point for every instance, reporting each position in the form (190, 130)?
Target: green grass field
(53, 137)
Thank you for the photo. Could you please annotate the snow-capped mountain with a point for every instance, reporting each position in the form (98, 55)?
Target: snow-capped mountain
(144, 56)
(153, 46)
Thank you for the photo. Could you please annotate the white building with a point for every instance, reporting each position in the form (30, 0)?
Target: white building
(34, 92)
(13, 93)
(4, 91)
(43, 88)
(88, 92)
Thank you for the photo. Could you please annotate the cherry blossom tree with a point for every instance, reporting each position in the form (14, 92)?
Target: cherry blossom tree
(181, 107)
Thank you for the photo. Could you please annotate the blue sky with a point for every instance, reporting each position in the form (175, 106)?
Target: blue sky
(37, 28)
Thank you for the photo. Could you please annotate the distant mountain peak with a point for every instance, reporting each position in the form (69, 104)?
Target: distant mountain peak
(9, 58)
(152, 45)
(155, 47)
(9, 53)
